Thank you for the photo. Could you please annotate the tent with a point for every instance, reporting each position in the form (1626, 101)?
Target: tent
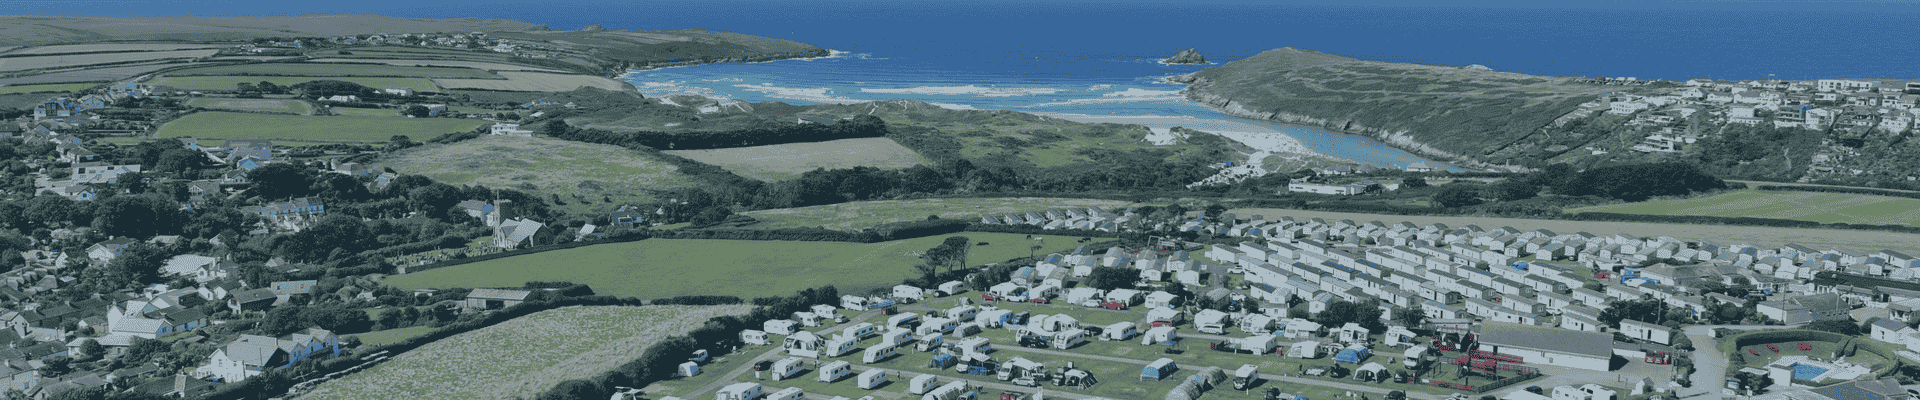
(1159, 369)
(689, 368)
(1352, 354)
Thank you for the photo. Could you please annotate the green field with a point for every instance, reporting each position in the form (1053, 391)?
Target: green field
(523, 357)
(226, 125)
(58, 87)
(335, 69)
(229, 82)
(862, 214)
(787, 161)
(1805, 206)
(657, 268)
(258, 105)
(392, 336)
(363, 112)
(593, 172)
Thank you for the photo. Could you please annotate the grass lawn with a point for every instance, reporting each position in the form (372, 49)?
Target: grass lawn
(261, 105)
(787, 161)
(363, 112)
(391, 336)
(862, 214)
(335, 69)
(523, 357)
(657, 268)
(586, 176)
(229, 82)
(1805, 206)
(57, 87)
(225, 125)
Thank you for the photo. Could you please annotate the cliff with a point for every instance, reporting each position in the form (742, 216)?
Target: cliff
(1189, 56)
(616, 51)
(1470, 116)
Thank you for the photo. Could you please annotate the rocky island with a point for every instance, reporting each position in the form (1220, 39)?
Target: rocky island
(1188, 56)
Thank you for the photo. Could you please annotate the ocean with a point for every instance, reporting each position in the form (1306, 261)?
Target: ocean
(1097, 61)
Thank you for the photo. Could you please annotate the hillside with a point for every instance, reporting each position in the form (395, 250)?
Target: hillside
(38, 30)
(617, 51)
(1447, 112)
(584, 176)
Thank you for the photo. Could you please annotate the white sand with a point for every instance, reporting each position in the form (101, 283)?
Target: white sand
(987, 91)
(817, 95)
(951, 106)
(1138, 92)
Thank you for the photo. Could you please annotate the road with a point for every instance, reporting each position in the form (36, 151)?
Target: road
(1710, 365)
(1270, 377)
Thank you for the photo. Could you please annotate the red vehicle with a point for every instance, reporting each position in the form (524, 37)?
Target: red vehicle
(1755, 352)
(988, 297)
(1602, 275)
(1038, 301)
(1659, 358)
(1113, 305)
(1775, 349)
(1160, 323)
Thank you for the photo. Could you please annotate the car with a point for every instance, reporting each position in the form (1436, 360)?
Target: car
(763, 365)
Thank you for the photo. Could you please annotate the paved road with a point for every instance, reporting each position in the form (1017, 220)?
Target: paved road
(1270, 377)
(1710, 365)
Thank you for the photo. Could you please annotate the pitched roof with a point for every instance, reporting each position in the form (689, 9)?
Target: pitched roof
(1543, 338)
(249, 296)
(253, 350)
(499, 294)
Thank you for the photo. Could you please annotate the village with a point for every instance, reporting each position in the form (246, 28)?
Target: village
(1675, 118)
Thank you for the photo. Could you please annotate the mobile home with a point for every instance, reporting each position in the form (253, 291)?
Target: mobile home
(872, 379)
(739, 391)
(834, 371)
(1120, 331)
(877, 353)
(787, 368)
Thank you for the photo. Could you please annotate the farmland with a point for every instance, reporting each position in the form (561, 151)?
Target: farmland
(490, 66)
(124, 47)
(259, 105)
(593, 172)
(523, 357)
(63, 87)
(101, 74)
(364, 112)
(296, 128)
(1804, 206)
(1817, 238)
(862, 214)
(787, 161)
(298, 69)
(533, 82)
(657, 268)
(42, 62)
(228, 82)
(390, 336)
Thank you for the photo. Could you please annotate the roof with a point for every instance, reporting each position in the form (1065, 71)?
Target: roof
(1592, 344)
(253, 349)
(499, 294)
(249, 296)
(1882, 389)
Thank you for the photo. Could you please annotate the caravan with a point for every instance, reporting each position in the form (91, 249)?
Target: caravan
(862, 331)
(951, 288)
(938, 326)
(930, 342)
(990, 318)
(922, 384)
(1120, 331)
(872, 379)
(1211, 321)
(1084, 296)
(904, 292)
(1069, 338)
(780, 326)
(961, 313)
(877, 353)
(1162, 335)
(841, 345)
(1259, 344)
(792, 393)
(977, 345)
(904, 320)
(807, 319)
(951, 391)
(898, 336)
(1306, 349)
(834, 371)
(739, 391)
(1007, 291)
(1258, 324)
(803, 344)
(1120, 299)
(787, 368)
(754, 337)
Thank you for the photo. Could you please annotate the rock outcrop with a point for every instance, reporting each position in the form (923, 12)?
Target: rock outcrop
(1190, 56)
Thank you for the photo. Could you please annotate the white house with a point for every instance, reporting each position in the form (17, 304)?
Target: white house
(506, 129)
(1646, 331)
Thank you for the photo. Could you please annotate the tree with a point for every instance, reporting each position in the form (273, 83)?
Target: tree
(140, 216)
(1213, 211)
(711, 216)
(433, 200)
(138, 263)
(1457, 195)
(417, 111)
(1840, 326)
(1106, 278)
(280, 181)
(1512, 189)
(92, 350)
(1410, 317)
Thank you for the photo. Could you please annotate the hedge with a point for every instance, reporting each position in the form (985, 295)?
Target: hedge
(1791, 335)
(1506, 382)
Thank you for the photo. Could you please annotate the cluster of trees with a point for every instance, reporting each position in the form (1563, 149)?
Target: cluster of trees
(262, 88)
(765, 133)
(1628, 182)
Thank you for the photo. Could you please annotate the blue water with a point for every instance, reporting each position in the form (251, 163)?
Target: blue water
(1807, 372)
(1071, 48)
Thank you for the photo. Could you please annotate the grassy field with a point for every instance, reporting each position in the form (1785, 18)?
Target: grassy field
(260, 105)
(787, 161)
(1816, 238)
(63, 87)
(658, 268)
(862, 214)
(593, 172)
(102, 74)
(225, 125)
(533, 82)
(89, 48)
(490, 66)
(27, 63)
(364, 112)
(392, 336)
(228, 82)
(1805, 206)
(523, 357)
(329, 69)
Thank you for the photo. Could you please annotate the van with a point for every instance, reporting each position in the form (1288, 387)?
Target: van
(787, 368)
(834, 371)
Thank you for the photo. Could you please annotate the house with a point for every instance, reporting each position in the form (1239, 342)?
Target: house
(1345, 189)
(303, 206)
(485, 299)
(1804, 309)
(252, 355)
(1546, 345)
(434, 110)
(251, 300)
(1646, 331)
(515, 232)
(291, 291)
(106, 250)
(340, 98)
(398, 91)
(506, 129)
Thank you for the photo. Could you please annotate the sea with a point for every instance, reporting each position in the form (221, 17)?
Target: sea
(1099, 60)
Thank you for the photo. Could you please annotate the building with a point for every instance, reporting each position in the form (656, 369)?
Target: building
(1550, 346)
(291, 208)
(1646, 331)
(514, 233)
(252, 355)
(484, 299)
(506, 129)
(398, 91)
(105, 251)
(1346, 189)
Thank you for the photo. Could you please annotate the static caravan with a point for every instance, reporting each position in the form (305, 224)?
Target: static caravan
(904, 292)
(1084, 296)
(904, 320)
(1122, 298)
(976, 345)
(1120, 331)
(990, 318)
(689, 368)
(871, 379)
(834, 371)
(1160, 335)
(898, 336)
(1159, 369)
(862, 331)
(792, 393)
(1160, 299)
(1260, 344)
(841, 345)
(951, 288)
(1258, 324)
(1211, 321)
(877, 353)
(1068, 338)
(787, 368)
(739, 391)
(754, 337)
(780, 326)
(807, 319)
(922, 384)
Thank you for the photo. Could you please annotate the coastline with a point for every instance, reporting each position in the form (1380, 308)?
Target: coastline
(1398, 140)
(812, 55)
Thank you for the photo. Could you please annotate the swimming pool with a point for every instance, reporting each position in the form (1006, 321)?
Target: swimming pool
(1807, 372)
